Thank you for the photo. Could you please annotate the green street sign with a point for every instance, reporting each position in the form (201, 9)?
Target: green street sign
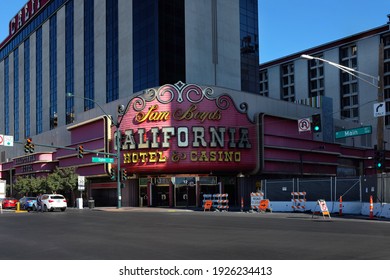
(354, 132)
(102, 160)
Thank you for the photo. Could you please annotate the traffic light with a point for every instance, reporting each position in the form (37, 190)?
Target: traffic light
(316, 123)
(80, 151)
(29, 147)
(112, 174)
(380, 160)
(124, 174)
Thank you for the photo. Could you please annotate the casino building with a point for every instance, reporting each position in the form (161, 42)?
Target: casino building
(177, 79)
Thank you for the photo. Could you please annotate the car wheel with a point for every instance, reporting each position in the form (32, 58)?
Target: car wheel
(63, 209)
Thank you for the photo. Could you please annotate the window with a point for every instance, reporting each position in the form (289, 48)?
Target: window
(287, 80)
(39, 98)
(316, 76)
(6, 95)
(89, 55)
(249, 36)
(263, 83)
(349, 84)
(112, 69)
(386, 76)
(69, 62)
(27, 131)
(16, 95)
(53, 71)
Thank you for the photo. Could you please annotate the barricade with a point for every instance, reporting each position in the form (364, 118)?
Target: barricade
(207, 205)
(222, 201)
(207, 197)
(265, 206)
(298, 200)
(323, 208)
(256, 199)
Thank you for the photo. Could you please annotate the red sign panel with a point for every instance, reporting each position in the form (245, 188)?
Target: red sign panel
(30, 9)
(183, 128)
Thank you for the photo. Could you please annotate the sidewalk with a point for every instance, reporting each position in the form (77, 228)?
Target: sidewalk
(141, 209)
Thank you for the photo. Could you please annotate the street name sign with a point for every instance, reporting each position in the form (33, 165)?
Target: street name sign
(102, 160)
(354, 132)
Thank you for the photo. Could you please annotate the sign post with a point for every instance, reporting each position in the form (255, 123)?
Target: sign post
(81, 188)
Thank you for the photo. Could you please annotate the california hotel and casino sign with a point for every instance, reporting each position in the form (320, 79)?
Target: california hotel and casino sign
(186, 129)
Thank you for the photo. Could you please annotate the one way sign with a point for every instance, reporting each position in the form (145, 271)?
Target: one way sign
(379, 109)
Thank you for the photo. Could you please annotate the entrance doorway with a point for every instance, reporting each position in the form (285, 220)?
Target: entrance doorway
(143, 196)
(160, 196)
(185, 196)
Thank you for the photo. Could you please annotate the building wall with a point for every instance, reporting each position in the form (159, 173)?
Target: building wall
(125, 31)
(79, 54)
(213, 55)
(367, 62)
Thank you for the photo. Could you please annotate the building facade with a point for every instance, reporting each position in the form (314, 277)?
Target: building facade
(178, 80)
(295, 79)
(103, 50)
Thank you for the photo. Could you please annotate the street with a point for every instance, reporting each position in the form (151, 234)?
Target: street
(186, 235)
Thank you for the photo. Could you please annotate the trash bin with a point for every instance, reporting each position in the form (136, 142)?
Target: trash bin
(91, 203)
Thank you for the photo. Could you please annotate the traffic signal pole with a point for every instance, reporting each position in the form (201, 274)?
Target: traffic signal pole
(118, 157)
(380, 120)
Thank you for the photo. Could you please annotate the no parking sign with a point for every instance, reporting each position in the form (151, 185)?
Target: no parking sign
(6, 140)
(304, 125)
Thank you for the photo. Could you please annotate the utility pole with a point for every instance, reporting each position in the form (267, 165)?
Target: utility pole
(380, 120)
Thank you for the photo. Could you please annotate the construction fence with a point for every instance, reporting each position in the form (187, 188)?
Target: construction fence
(352, 189)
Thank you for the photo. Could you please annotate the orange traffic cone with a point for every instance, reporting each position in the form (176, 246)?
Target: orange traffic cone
(371, 208)
(341, 206)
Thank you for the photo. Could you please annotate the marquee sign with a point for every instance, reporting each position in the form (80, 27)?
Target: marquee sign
(183, 128)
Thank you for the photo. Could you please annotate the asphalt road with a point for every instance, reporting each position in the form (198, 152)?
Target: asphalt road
(177, 235)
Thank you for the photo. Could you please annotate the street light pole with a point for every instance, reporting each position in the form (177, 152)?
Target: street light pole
(117, 144)
(346, 69)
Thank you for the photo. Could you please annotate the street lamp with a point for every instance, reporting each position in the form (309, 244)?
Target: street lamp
(376, 82)
(348, 70)
(117, 140)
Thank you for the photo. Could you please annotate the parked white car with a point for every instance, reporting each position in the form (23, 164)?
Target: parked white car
(50, 202)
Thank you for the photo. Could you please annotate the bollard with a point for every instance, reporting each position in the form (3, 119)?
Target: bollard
(341, 206)
(371, 208)
(242, 204)
(17, 206)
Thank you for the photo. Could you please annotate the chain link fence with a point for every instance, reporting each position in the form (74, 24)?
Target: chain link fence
(331, 188)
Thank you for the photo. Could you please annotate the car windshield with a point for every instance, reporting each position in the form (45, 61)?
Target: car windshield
(57, 197)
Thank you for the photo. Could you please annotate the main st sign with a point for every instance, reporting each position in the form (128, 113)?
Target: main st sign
(183, 128)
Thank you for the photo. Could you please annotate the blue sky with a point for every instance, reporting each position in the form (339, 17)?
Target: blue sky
(290, 26)
(286, 26)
